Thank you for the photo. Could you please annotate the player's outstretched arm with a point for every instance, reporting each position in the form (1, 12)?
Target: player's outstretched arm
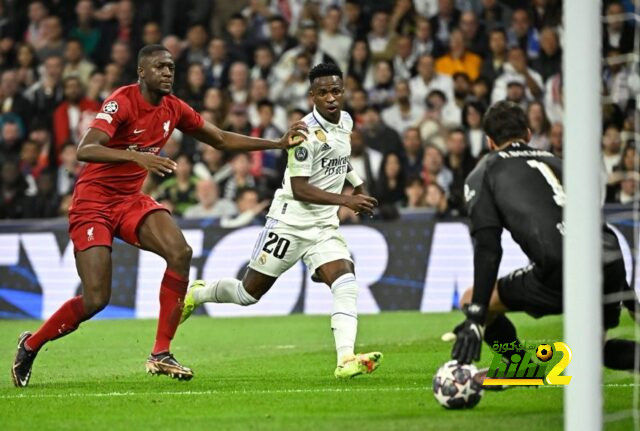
(93, 148)
(229, 141)
(305, 192)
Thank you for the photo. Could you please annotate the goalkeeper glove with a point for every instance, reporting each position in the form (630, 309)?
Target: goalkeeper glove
(469, 334)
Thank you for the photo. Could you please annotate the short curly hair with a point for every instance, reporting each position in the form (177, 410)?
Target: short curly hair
(324, 69)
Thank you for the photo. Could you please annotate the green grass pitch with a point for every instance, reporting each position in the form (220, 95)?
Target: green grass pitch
(273, 373)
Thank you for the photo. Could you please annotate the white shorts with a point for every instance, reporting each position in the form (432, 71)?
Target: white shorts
(280, 246)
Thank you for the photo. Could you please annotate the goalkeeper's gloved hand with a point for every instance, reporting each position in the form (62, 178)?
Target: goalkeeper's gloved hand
(469, 334)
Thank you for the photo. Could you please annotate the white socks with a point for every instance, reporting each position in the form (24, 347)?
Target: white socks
(224, 291)
(344, 318)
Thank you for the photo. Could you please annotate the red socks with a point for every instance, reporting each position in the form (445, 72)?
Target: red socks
(65, 320)
(172, 292)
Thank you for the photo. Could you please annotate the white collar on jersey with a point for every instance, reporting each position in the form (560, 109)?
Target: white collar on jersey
(326, 125)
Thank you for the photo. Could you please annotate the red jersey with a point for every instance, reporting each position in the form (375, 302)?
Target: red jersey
(134, 124)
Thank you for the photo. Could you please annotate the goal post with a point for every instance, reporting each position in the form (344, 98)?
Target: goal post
(582, 167)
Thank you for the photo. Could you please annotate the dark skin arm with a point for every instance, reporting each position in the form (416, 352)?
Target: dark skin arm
(305, 192)
(92, 148)
(229, 141)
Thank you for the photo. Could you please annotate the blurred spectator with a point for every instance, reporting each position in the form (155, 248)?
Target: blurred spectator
(357, 104)
(46, 202)
(440, 110)
(365, 161)
(212, 164)
(65, 203)
(493, 63)
(617, 79)
(11, 135)
(481, 91)
(389, 189)
(180, 190)
(331, 38)
(516, 70)
(436, 199)
(378, 135)
(460, 162)
(494, 14)
(402, 114)
(553, 99)
(403, 17)
(308, 45)
(47, 92)
(433, 168)
(263, 65)
(85, 28)
(381, 94)
(209, 202)
(216, 105)
(194, 89)
(445, 21)
(413, 153)
(424, 43)
(72, 117)
(248, 206)
(96, 86)
(428, 80)
(279, 39)
(627, 168)
(545, 13)
(196, 44)
(381, 38)
(522, 34)
(112, 79)
(267, 163)
(472, 113)
(360, 65)
(217, 63)
(473, 33)
(414, 191)
(611, 148)
(516, 92)
(11, 101)
(461, 89)
(238, 89)
(123, 28)
(403, 60)
(239, 47)
(151, 33)
(238, 121)
(240, 176)
(354, 21)
(13, 187)
(41, 134)
(556, 139)
(539, 126)
(69, 169)
(26, 67)
(618, 31)
(260, 91)
(257, 14)
(458, 59)
(51, 32)
(75, 63)
(549, 61)
(121, 56)
(34, 34)
(294, 91)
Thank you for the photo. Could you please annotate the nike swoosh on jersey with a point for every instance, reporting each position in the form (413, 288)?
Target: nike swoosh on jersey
(136, 131)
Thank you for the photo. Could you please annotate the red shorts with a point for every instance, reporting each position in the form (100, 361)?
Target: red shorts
(95, 218)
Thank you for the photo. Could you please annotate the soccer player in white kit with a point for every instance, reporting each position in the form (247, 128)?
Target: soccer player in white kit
(303, 224)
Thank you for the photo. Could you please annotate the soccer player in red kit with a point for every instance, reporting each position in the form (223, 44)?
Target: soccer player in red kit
(121, 147)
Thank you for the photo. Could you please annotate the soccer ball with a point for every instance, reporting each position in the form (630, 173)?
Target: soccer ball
(454, 386)
(544, 352)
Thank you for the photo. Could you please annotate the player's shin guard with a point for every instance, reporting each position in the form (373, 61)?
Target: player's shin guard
(620, 354)
(502, 331)
(224, 291)
(64, 321)
(172, 292)
(344, 318)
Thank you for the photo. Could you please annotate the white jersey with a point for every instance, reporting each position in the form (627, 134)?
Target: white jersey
(324, 158)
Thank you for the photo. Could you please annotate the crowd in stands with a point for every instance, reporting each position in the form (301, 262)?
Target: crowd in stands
(418, 77)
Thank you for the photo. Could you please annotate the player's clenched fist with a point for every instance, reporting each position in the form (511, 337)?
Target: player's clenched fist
(294, 136)
(361, 203)
(155, 164)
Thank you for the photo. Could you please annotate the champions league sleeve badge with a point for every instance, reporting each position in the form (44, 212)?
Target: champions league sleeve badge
(301, 154)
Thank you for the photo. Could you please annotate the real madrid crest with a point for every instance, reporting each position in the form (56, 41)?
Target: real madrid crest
(321, 136)
(263, 259)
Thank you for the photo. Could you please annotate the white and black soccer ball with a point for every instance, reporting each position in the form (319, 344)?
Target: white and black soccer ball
(454, 386)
